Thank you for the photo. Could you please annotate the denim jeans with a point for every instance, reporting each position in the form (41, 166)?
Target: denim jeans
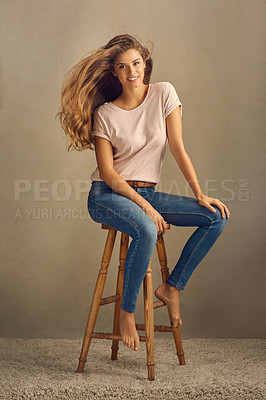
(108, 207)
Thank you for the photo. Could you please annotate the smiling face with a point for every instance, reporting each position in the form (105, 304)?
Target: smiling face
(129, 68)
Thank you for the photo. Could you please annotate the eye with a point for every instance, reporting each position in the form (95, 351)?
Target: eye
(122, 66)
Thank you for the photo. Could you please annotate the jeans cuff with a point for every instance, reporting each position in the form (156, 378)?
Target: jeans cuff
(174, 284)
(130, 310)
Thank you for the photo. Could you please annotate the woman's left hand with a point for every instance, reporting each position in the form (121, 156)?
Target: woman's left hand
(206, 201)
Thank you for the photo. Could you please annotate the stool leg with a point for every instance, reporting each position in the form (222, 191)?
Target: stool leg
(119, 290)
(149, 322)
(97, 296)
(165, 273)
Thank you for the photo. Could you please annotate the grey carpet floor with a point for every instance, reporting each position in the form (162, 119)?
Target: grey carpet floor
(228, 369)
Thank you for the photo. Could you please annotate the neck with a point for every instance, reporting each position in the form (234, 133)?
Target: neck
(134, 95)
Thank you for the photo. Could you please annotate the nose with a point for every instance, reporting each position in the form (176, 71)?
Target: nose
(131, 69)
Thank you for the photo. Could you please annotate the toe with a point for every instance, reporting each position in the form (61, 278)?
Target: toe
(176, 324)
(136, 342)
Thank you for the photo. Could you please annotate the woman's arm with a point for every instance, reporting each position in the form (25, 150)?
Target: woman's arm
(104, 157)
(174, 133)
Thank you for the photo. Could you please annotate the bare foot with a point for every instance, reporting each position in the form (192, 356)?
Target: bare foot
(128, 330)
(170, 296)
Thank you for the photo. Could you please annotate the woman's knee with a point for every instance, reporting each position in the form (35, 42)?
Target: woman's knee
(147, 231)
(217, 218)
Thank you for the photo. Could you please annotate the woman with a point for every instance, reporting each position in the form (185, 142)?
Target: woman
(108, 101)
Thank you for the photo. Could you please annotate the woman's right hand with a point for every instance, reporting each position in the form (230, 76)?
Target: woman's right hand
(156, 217)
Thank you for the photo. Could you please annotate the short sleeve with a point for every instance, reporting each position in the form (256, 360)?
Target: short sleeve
(100, 127)
(171, 100)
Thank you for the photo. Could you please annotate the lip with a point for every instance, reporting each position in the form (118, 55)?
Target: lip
(131, 78)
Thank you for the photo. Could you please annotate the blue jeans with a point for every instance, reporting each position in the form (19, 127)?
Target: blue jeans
(108, 207)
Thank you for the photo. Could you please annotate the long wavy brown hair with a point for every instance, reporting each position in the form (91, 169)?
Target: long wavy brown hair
(90, 83)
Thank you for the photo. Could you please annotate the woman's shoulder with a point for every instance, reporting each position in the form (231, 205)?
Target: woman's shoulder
(101, 110)
(164, 86)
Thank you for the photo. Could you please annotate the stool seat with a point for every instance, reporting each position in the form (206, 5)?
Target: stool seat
(149, 304)
(104, 226)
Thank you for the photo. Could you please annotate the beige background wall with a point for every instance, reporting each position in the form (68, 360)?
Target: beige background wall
(213, 53)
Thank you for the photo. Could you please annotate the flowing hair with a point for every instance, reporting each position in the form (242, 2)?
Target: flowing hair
(90, 83)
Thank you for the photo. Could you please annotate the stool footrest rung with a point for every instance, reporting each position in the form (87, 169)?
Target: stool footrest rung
(110, 299)
(157, 328)
(112, 336)
(159, 303)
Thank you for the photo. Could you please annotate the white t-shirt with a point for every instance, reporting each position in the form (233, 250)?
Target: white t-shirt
(138, 136)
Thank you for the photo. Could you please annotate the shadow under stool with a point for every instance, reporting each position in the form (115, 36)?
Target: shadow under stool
(149, 304)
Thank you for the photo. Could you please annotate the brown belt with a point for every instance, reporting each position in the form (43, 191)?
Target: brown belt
(141, 183)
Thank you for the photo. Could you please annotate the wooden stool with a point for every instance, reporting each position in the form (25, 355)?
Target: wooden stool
(149, 305)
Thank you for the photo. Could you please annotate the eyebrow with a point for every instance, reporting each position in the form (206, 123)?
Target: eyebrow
(132, 61)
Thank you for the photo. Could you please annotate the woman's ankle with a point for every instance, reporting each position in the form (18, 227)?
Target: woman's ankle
(173, 288)
(126, 313)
